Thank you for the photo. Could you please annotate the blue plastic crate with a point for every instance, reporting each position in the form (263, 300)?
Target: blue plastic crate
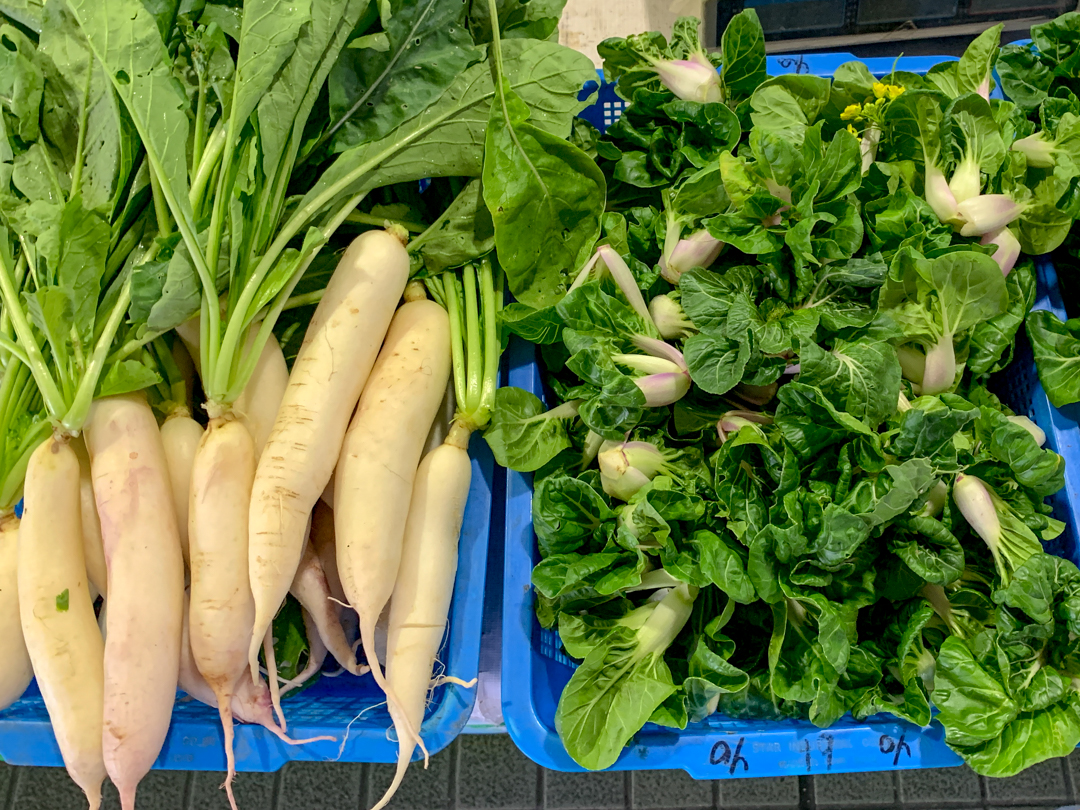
(535, 669)
(329, 707)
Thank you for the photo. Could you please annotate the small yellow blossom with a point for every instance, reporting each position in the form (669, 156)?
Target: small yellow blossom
(888, 92)
(852, 130)
(851, 112)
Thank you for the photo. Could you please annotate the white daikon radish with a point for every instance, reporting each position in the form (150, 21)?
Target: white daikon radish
(58, 620)
(93, 548)
(180, 437)
(146, 585)
(222, 610)
(331, 368)
(15, 670)
(379, 459)
(424, 586)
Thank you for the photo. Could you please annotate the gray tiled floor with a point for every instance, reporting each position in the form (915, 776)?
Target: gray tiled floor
(488, 773)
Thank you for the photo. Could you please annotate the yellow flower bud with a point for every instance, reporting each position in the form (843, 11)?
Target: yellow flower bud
(895, 91)
(880, 90)
(851, 112)
(852, 130)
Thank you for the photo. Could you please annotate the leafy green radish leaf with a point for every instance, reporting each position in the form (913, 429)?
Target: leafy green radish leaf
(125, 377)
(50, 310)
(546, 198)
(531, 19)
(125, 39)
(462, 233)
(75, 250)
(292, 649)
(447, 139)
(283, 111)
(24, 12)
(372, 91)
(21, 82)
(112, 145)
(268, 37)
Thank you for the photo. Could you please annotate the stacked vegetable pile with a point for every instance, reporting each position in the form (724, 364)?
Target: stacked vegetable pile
(174, 177)
(1041, 77)
(771, 415)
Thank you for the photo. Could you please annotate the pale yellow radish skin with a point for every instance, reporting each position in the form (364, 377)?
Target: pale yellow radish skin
(146, 585)
(331, 369)
(312, 591)
(221, 610)
(93, 548)
(379, 459)
(64, 644)
(258, 404)
(322, 538)
(180, 437)
(424, 587)
(327, 495)
(15, 670)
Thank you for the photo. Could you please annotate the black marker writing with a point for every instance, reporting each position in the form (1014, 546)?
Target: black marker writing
(721, 754)
(888, 745)
(796, 62)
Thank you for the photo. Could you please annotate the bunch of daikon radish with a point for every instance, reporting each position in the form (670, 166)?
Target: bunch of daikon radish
(194, 536)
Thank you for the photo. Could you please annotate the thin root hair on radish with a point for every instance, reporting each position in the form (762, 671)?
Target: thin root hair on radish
(444, 679)
(345, 739)
(285, 738)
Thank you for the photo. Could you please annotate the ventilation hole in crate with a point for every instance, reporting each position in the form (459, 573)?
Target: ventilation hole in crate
(613, 111)
(551, 647)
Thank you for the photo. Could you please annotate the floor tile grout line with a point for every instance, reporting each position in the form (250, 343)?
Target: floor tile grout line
(1066, 773)
(455, 770)
(807, 799)
(541, 788)
(365, 785)
(9, 799)
(189, 791)
(628, 790)
(716, 794)
(275, 793)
